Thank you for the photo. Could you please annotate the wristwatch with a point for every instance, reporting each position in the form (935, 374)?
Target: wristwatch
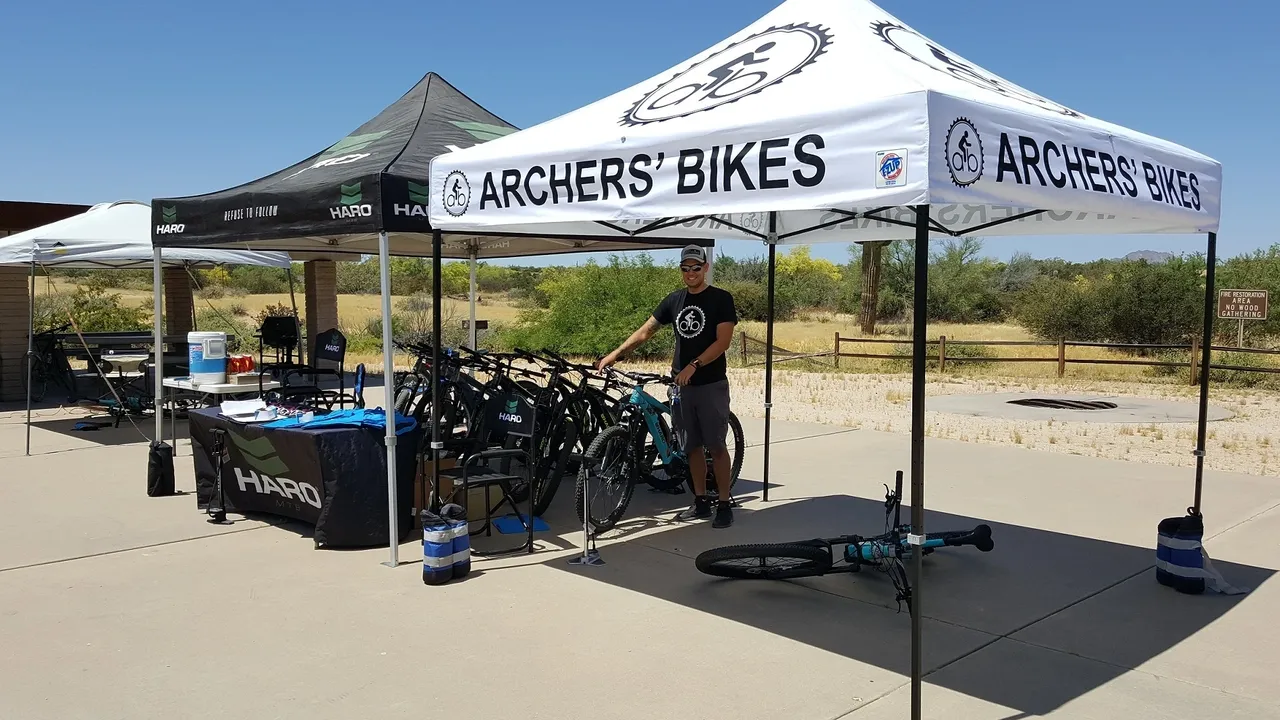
(696, 363)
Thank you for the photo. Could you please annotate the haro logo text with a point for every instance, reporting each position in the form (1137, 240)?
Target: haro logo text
(170, 229)
(350, 211)
(410, 210)
(284, 487)
(510, 417)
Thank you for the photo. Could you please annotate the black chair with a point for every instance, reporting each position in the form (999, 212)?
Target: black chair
(283, 337)
(511, 415)
(331, 347)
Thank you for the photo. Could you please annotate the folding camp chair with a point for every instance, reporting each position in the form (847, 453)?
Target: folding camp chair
(512, 415)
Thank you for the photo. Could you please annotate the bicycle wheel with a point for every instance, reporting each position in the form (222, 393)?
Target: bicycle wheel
(736, 444)
(613, 480)
(552, 466)
(765, 561)
(39, 381)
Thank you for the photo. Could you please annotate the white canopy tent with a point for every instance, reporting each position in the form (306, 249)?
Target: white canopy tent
(115, 235)
(833, 121)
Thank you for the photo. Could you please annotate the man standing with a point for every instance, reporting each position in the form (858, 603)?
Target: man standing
(704, 318)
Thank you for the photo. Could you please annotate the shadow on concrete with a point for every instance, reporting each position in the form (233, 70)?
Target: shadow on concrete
(970, 599)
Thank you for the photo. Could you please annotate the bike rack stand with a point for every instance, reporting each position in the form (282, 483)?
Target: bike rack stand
(590, 556)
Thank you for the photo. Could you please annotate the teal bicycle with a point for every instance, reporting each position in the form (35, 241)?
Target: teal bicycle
(642, 446)
(810, 558)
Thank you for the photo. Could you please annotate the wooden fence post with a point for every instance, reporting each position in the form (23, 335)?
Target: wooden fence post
(1195, 360)
(1062, 357)
(942, 353)
(744, 347)
(836, 354)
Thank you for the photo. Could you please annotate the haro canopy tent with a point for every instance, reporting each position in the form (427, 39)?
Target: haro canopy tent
(369, 193)
(831, 120)
(371, 181)
(115, 235)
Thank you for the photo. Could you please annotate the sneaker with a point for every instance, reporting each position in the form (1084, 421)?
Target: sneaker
(724, 515)
(700, 510)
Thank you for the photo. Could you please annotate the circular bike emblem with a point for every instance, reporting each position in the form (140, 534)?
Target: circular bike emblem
(456, 194)
(891, 166)
(690, 322)
(964, 153)
(925, 51)
(743, 68)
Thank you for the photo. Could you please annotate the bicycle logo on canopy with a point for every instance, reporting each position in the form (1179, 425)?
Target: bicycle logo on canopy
(925, 51)
(456, 193)
(742, 68)
(964, 153)
(690, 322)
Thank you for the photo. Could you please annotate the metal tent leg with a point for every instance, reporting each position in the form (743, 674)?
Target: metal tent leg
(768, 348)
(920, 322)
(388, 385)
(1211, 261)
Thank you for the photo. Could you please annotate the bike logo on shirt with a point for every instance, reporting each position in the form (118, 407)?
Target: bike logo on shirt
(690, 321)
(742, 68)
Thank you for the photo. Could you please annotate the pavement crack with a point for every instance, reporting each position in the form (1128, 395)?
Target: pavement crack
(132, 549)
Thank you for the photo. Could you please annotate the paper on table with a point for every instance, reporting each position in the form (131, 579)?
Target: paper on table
(232, 408)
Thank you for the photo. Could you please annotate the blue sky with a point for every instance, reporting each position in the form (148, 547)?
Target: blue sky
(105, 101)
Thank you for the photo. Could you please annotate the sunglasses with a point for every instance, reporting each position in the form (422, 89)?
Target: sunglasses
(690, 268)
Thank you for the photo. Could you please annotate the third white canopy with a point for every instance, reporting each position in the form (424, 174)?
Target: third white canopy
(836, 116)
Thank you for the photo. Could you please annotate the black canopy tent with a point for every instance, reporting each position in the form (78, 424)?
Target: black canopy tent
(368, 193)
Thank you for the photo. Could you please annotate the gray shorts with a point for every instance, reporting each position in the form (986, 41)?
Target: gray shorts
(704, 415)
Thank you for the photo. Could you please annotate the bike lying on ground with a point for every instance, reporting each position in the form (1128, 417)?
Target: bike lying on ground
(811, 558)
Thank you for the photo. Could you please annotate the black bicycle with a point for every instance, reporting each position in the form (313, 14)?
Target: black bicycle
(48, 364)
(810, 558)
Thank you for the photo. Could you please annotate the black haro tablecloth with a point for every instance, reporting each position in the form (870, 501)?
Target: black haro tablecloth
(332, 478)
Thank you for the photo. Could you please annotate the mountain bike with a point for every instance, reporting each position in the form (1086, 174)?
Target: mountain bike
(619, 457)
(49, 364)
(811, 558)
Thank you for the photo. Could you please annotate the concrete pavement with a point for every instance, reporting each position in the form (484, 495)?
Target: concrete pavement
(116, 605)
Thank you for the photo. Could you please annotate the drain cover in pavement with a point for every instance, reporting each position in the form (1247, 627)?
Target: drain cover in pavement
(1062, 404)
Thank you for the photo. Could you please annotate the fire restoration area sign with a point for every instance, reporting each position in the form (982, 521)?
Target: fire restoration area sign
(1242, 304)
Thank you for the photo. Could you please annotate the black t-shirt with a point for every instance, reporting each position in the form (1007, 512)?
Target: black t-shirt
(696, 316)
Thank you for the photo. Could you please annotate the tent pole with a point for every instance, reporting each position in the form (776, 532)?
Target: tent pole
(919, 322)
(31, 342)
(1211, 261)
(473, 299)
(768, 348)
(157, 262)
(436, 445)
(293, 303)
(388, 391)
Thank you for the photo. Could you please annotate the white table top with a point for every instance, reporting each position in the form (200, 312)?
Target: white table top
(185, 383)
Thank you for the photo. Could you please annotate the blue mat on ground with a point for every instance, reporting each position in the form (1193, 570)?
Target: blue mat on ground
(511, 524)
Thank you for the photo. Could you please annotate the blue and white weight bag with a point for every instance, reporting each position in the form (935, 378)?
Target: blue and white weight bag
(1181, 560)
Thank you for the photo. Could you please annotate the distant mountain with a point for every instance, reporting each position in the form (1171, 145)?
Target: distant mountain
(1155, 257)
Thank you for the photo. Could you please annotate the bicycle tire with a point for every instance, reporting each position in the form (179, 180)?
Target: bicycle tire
(811, 560)
(554, 467)
(39, 382)
(610, 519)
(735, 462)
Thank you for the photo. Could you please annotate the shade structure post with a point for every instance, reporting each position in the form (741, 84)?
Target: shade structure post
(919, 326)
(472, 296)
(1206, 342)
(31, 340)
(293, 304)
(157, 263)
(388, 390)
(772, 239)
(436, 242)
